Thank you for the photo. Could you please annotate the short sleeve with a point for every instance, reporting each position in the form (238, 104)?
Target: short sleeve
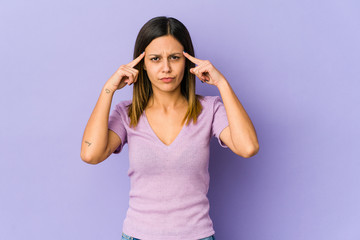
(220, 121)
(116, 124)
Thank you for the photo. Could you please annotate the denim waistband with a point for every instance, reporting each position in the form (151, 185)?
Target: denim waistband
(124, 236)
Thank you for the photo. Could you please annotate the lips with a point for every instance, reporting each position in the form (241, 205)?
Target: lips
(167, 79)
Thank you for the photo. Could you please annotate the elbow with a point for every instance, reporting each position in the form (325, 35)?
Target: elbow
(88, 159)
(252, 151)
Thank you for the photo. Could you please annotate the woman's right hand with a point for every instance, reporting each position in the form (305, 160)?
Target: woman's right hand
(125, 74)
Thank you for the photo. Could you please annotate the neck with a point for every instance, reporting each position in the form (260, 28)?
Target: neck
(167, 100)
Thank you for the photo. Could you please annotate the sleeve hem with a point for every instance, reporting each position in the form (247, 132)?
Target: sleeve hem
(120, 147)
(222, 144)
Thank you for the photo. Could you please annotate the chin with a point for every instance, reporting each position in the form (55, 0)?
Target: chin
(167, 87)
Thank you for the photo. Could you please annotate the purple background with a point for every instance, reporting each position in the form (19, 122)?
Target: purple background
(294, 66)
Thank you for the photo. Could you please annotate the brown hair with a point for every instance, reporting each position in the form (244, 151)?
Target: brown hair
(142, 90)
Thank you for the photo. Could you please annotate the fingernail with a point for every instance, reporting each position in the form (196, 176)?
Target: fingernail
(184, 51)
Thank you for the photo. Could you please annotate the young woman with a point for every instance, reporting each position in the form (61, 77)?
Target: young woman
(168, 129)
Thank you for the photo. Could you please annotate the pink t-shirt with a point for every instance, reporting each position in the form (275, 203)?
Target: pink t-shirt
(169, 183)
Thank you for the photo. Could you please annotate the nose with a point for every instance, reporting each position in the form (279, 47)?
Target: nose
(166, 66)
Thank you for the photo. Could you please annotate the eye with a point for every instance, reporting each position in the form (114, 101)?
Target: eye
(154, 59)
(175, 57)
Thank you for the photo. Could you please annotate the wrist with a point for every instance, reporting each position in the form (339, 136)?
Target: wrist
(108, 90)
(222, 83)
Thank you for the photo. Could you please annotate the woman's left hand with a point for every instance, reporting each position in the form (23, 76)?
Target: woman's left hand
(205, 71)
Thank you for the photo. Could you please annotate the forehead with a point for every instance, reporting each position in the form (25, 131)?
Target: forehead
(164, 44)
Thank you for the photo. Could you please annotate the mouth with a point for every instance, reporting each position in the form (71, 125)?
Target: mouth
(168, 79)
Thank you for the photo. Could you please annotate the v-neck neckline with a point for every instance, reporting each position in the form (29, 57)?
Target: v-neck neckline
(158, 139)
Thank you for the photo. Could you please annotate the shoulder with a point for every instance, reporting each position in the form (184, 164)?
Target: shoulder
(122, 105)
(121, 109)
(208, 98)
(210, 101)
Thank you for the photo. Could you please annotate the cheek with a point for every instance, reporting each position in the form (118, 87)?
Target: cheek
(153, 65)
(152, 71)
(179, 65)
(148, 67)
(146, 64)
(182, 67)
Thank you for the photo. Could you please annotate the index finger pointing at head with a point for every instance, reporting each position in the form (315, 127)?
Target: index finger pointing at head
(192, 59)
(134, 62)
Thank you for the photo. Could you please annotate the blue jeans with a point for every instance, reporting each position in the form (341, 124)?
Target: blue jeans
(126, 237)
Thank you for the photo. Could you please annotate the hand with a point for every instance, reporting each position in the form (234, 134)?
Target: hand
(205, 71)
(126, 74)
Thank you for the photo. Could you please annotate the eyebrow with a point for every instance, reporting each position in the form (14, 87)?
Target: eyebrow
(160, 54)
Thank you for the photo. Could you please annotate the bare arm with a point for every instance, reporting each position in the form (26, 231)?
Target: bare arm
(240, 136)
(95, 145)
(98, 141)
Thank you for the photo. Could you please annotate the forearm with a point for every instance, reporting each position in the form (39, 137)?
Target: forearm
(95, 136)
(242, 131)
